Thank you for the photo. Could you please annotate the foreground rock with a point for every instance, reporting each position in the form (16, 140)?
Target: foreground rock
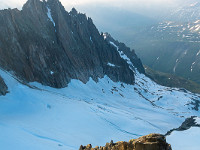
(3, 87)
(149, 142)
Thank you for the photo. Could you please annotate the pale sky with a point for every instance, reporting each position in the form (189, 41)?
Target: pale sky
(150, 8)
(123, 4)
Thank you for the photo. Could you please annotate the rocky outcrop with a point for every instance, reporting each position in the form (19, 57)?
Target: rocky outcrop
(3, 87)
(187, 124)
(45, 43)
(149, 142)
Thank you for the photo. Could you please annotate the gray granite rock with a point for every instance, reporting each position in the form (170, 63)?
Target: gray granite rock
(55, 50)
(3, 87)
(128, 52)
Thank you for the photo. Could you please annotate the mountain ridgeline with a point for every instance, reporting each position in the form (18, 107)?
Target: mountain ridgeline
(45, 43)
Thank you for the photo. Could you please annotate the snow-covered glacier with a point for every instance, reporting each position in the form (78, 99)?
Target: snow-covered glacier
(37, 117)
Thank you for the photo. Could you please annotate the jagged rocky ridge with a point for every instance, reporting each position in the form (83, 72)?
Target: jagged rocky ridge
(3, 87)
(126, 52)
(45, 43)
(187, 124)
(149, 142)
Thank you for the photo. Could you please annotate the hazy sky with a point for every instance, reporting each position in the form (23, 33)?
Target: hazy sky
(131, 5)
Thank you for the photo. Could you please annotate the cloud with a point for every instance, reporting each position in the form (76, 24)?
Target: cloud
(4, 4)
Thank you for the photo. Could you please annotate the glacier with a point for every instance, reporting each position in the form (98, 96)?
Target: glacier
(34, 116)
(185, 140)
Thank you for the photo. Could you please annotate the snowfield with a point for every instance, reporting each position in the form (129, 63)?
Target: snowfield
(37, 117)
(185, 140)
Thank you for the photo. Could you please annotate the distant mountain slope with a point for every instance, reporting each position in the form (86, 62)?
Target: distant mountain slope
(172, 49)
(171, 80)
(173, 46)
(188, 12)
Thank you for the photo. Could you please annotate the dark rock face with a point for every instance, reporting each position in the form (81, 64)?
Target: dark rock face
(44, 43)
(3, 87)
(128, 52)
(149, 142)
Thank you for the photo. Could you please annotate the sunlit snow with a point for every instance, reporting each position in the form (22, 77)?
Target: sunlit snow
(38, 117)
(197, 120)
(47, 118)
(185, 140)
(198, 53)
(111, 65)
(50, 16)
(52, 72)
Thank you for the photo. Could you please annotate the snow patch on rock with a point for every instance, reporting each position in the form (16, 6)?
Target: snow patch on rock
(111, 65)
(50, 16)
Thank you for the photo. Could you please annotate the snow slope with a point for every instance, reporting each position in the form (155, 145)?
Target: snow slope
(185, 140)
(39, 117)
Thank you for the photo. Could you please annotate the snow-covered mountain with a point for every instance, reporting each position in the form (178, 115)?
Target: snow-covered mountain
(38, 117)
(68, 85)
(187, 12)
(189, 32)
(173, 45)
(34, 116)
(173, 48)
